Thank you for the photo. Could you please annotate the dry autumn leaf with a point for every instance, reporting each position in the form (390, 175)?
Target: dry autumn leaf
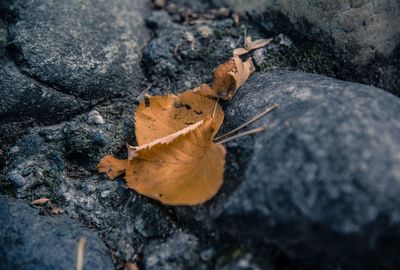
(40, 201)
(160, 116)
(112, 166)
(184, 168)
(115, 167)
(230, 76)
(187, 170)
(175, 136)
(177, 161)
(251, 45)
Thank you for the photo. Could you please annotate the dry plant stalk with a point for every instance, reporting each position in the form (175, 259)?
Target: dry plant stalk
(80, 253)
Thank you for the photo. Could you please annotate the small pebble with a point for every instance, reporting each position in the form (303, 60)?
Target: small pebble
(207, 254)
(259, 56)
(282, 39)
(98, 139)
(205, 31)
(104, 194)
(95, 118)
(16, 179)
(50, 135)
(27, 171)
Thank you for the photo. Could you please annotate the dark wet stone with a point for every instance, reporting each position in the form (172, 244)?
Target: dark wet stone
(31, 241)
(323, 181)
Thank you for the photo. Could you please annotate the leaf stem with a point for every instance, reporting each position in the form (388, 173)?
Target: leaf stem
(245, 133)
(255, 118)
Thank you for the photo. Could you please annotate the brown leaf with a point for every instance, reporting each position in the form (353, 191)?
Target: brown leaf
(251, 45)
(164, 140)
(256, 44)
(183, 168)
(40, 201)
(230, 76)
(111, 166)
(176, 160)
(160, 116)
(205, 90)
(186, 170)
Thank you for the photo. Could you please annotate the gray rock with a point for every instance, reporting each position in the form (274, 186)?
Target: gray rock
(352, 24)
(58, 59)
(31, 241)
(323, 182)
(15, 179)
(24, 97)
(88, 49)
(361, 35)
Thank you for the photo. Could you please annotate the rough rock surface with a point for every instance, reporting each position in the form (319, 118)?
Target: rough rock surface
(88, 49)
(325, 177)
(179, 57)
(58, 160)
(31, 241)
(365, 32)
(364, 27)
(58, 59)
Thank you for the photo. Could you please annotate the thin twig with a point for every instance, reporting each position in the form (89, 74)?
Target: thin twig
(245, 133)
(267, 111)
(81, 248)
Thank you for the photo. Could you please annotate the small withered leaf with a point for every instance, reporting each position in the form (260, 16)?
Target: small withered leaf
(230, 76)
(40, 201)
(251, 45)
